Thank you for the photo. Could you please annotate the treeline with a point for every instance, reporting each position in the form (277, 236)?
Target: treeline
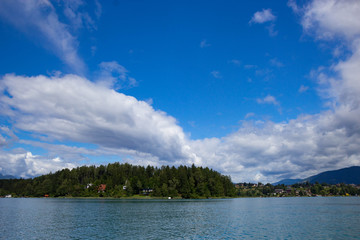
(325, 189)
(298, 189)
(254, 190)
(121, 180)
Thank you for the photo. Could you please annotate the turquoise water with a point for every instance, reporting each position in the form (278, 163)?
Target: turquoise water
(246, 218)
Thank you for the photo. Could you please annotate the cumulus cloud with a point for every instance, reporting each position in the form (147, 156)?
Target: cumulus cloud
(263, 16)
(73, 108)
(268, 100)
(24, 164)
(40, 20)
(298, 148)
(330, 18)
(308, 144)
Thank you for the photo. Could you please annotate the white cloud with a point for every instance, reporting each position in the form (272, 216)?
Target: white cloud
(275, 62)
(235, 62)
(7, 137)
(40, 21)
(299, 148)
(149, 101)
(250, 66)
(204, 44)
(303, 89)
(263, 16)
(272, 31)
(308, 144)
(78, 18)
(327, 18)
(73, 108)
(268, 100)
(249, 115)
(114, 75)
(2, 141)
(67, 153)
(292, 4)
(98, 9)
(25, 164)
(216, 74)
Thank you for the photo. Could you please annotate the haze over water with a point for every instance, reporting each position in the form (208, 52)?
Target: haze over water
(246, 218)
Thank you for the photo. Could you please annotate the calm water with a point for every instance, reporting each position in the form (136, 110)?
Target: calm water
(249, 218)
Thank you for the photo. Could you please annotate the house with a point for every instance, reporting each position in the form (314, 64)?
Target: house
(279, 190)
(147, 191)
(127, 183)
(89, 185)
(101, 188)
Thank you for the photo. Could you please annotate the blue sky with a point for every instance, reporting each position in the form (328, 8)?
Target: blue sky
(258, 90)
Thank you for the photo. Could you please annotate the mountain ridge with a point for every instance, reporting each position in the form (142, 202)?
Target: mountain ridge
(350, 175)
(7, 176)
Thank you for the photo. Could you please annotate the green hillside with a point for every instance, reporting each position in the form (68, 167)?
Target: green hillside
(121, 180)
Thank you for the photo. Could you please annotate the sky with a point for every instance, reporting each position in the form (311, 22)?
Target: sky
(257, 90)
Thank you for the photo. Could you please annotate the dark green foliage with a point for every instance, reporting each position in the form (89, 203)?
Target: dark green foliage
(298, 189)
(124, 180)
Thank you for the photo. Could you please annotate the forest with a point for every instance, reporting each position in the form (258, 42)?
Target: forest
(305, 189)
(123, 180)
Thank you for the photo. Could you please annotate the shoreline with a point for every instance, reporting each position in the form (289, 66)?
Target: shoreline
(173, 198)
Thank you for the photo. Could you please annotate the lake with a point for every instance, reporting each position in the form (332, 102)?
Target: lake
(244, 218)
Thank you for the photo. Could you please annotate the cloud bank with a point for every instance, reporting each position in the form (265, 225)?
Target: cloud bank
(76, 109)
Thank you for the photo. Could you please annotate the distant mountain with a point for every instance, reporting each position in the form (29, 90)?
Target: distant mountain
(6, 176)
(349, 175)
(288, 181)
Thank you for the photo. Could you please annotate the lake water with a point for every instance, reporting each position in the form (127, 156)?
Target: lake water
(245, 218)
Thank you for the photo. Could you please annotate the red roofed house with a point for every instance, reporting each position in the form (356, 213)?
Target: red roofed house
(101, 188)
